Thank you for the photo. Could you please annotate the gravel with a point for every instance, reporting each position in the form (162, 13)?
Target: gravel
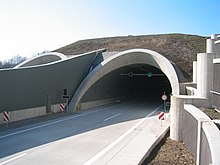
(170, 152)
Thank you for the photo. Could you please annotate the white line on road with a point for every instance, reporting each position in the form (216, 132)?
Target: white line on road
(120, 138)
(12, 159)
(50, 123)
(109, 118)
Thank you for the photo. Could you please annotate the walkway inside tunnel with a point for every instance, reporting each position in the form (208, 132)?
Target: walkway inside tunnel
(132, 82)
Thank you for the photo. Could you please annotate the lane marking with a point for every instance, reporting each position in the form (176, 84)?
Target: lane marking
(53, 122)
(120, 138)
(12, 159)
(109, 118)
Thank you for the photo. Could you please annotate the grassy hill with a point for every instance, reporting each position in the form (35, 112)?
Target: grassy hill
(178, 48)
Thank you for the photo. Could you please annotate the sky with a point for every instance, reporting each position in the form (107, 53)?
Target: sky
(28, 27)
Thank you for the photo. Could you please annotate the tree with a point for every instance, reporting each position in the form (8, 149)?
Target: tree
(12, 62)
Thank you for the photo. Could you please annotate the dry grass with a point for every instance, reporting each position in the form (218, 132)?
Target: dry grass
(178, 48)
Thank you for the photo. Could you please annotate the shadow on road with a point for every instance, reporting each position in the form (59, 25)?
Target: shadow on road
(54, 127)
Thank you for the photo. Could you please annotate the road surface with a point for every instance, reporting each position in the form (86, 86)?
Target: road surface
(82, 138)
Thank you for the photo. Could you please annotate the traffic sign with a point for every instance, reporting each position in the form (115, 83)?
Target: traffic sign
(164, 97)
(66, 96)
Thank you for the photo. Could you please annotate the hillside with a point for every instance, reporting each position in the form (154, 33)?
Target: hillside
(178, 48)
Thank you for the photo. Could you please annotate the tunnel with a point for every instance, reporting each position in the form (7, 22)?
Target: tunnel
(131, 74)
(132, 82)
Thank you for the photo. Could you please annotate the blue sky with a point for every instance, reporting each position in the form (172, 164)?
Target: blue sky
(28, 27)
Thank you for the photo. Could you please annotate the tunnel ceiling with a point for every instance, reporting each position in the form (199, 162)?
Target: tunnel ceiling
(130, 82)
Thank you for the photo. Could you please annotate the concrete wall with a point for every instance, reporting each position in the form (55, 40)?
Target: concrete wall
(29, 113)
(24, 114)
(216, 87)
(40, 111)
(188, 133)
(191, 115)
(213, 45)
(36, 86)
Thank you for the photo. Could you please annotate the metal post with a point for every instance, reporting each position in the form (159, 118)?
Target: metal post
(67, 106)
(164, 106)
(7, 124)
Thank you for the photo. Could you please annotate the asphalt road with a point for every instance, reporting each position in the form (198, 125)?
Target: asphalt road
(77, 139)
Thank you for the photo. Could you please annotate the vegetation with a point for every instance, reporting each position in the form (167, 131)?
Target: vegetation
(12, 62)
(178, 48)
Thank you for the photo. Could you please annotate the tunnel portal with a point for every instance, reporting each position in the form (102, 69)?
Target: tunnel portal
(139, 81)
(131, 74)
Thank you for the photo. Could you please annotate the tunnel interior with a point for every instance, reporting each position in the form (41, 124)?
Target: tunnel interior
(139, 81)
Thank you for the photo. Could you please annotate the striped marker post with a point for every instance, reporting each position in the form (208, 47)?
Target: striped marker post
(161, 117)
(6, 117)
(62, 107)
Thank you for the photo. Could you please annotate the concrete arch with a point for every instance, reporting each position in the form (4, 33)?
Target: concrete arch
(42, 59)
(125, 58)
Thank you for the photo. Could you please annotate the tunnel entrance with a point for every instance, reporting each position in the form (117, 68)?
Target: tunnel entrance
(136, 81)
(123, 76)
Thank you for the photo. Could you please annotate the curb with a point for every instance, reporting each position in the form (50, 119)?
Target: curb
(157, 141)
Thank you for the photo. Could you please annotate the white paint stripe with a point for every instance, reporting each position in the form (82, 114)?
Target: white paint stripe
(120, 138)
(12, 159)
(54, 122)
(112, 117)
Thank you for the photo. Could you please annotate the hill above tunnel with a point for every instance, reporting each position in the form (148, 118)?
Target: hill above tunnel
(178, 48)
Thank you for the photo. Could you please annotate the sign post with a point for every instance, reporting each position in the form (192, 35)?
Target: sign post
(66, 96)
(164, 98)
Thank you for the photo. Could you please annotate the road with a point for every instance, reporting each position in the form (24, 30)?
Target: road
(81, 138)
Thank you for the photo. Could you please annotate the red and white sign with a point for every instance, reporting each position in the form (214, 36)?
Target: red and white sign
(6, 116)
(164, 97)
(62, 107)
(161, 116)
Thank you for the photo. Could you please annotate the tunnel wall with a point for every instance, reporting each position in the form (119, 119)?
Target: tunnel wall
(134, 56)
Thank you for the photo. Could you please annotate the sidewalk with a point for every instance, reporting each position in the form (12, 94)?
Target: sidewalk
(137, 145)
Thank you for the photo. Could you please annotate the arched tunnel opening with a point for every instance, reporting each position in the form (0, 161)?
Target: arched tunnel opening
(132, 82)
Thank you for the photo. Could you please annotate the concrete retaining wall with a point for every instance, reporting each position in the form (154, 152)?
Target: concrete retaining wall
(24, 114)
(28, 113)
(40, 111)
(210, 135)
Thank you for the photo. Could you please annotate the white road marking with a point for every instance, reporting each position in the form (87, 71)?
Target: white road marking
(109, 118)
(54, 122)
(12, 159)
(120, 138)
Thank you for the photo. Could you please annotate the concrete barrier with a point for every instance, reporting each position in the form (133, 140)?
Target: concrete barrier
(29, 113)
(210, 135)
(24, 114)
